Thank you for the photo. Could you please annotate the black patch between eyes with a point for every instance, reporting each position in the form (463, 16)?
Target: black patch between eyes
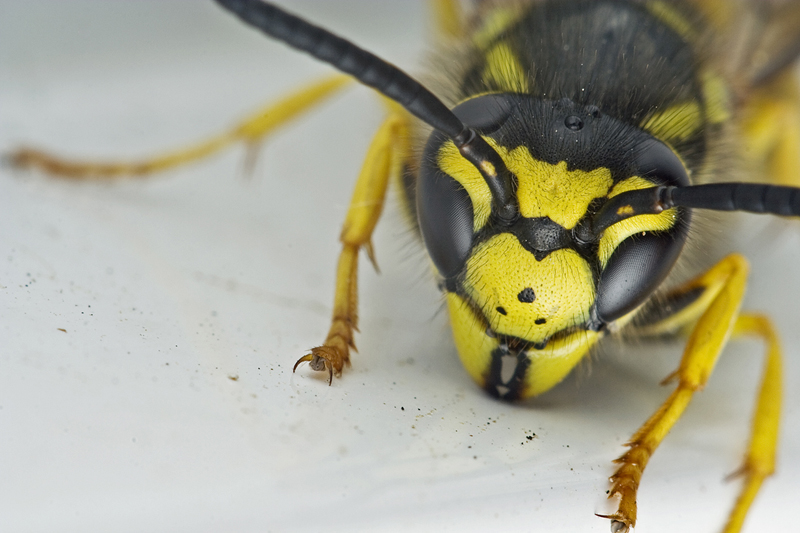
(502, 311)
(540, 321)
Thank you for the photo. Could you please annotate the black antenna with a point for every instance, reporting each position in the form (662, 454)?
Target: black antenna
(751, 197)
(391, 82)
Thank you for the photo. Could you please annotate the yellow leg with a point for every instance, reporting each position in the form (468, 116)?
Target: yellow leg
(384, 158)
(723, 288)
(759, 462)
(250, 131)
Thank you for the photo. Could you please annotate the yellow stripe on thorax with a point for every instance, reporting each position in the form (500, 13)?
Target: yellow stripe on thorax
(682, 120)
(503, 68)
(675, 123)
(504, 71)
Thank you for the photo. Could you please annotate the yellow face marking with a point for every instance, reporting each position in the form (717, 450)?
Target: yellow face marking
(548, 366)
(469, 333)
(526, 298)
(504, 70)
(547, 190)
(614, 235)
(453, 163)
(544, 190)
(675, 123)
(552, 364)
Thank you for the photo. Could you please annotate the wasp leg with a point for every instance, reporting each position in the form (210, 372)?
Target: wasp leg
(715, 300)
(759, 462)
(384, 158)
(771, 125)
(250, 131)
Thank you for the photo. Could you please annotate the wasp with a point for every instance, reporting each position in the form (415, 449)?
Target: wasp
(558, 169)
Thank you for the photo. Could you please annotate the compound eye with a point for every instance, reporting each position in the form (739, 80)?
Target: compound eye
(445, 213)
(635, 270)
(641, 262)
(486, 114)
(656, 162)
(444, 207)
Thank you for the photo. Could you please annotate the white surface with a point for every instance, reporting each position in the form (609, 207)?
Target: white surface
(170, 286)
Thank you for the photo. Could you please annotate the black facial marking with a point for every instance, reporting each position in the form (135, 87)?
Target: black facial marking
(526, 295)
(502, 311)
(507, 372)
(540, 321)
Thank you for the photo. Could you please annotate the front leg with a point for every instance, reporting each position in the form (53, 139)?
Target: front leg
(334, 353)
(387, 152)
(716, 311)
